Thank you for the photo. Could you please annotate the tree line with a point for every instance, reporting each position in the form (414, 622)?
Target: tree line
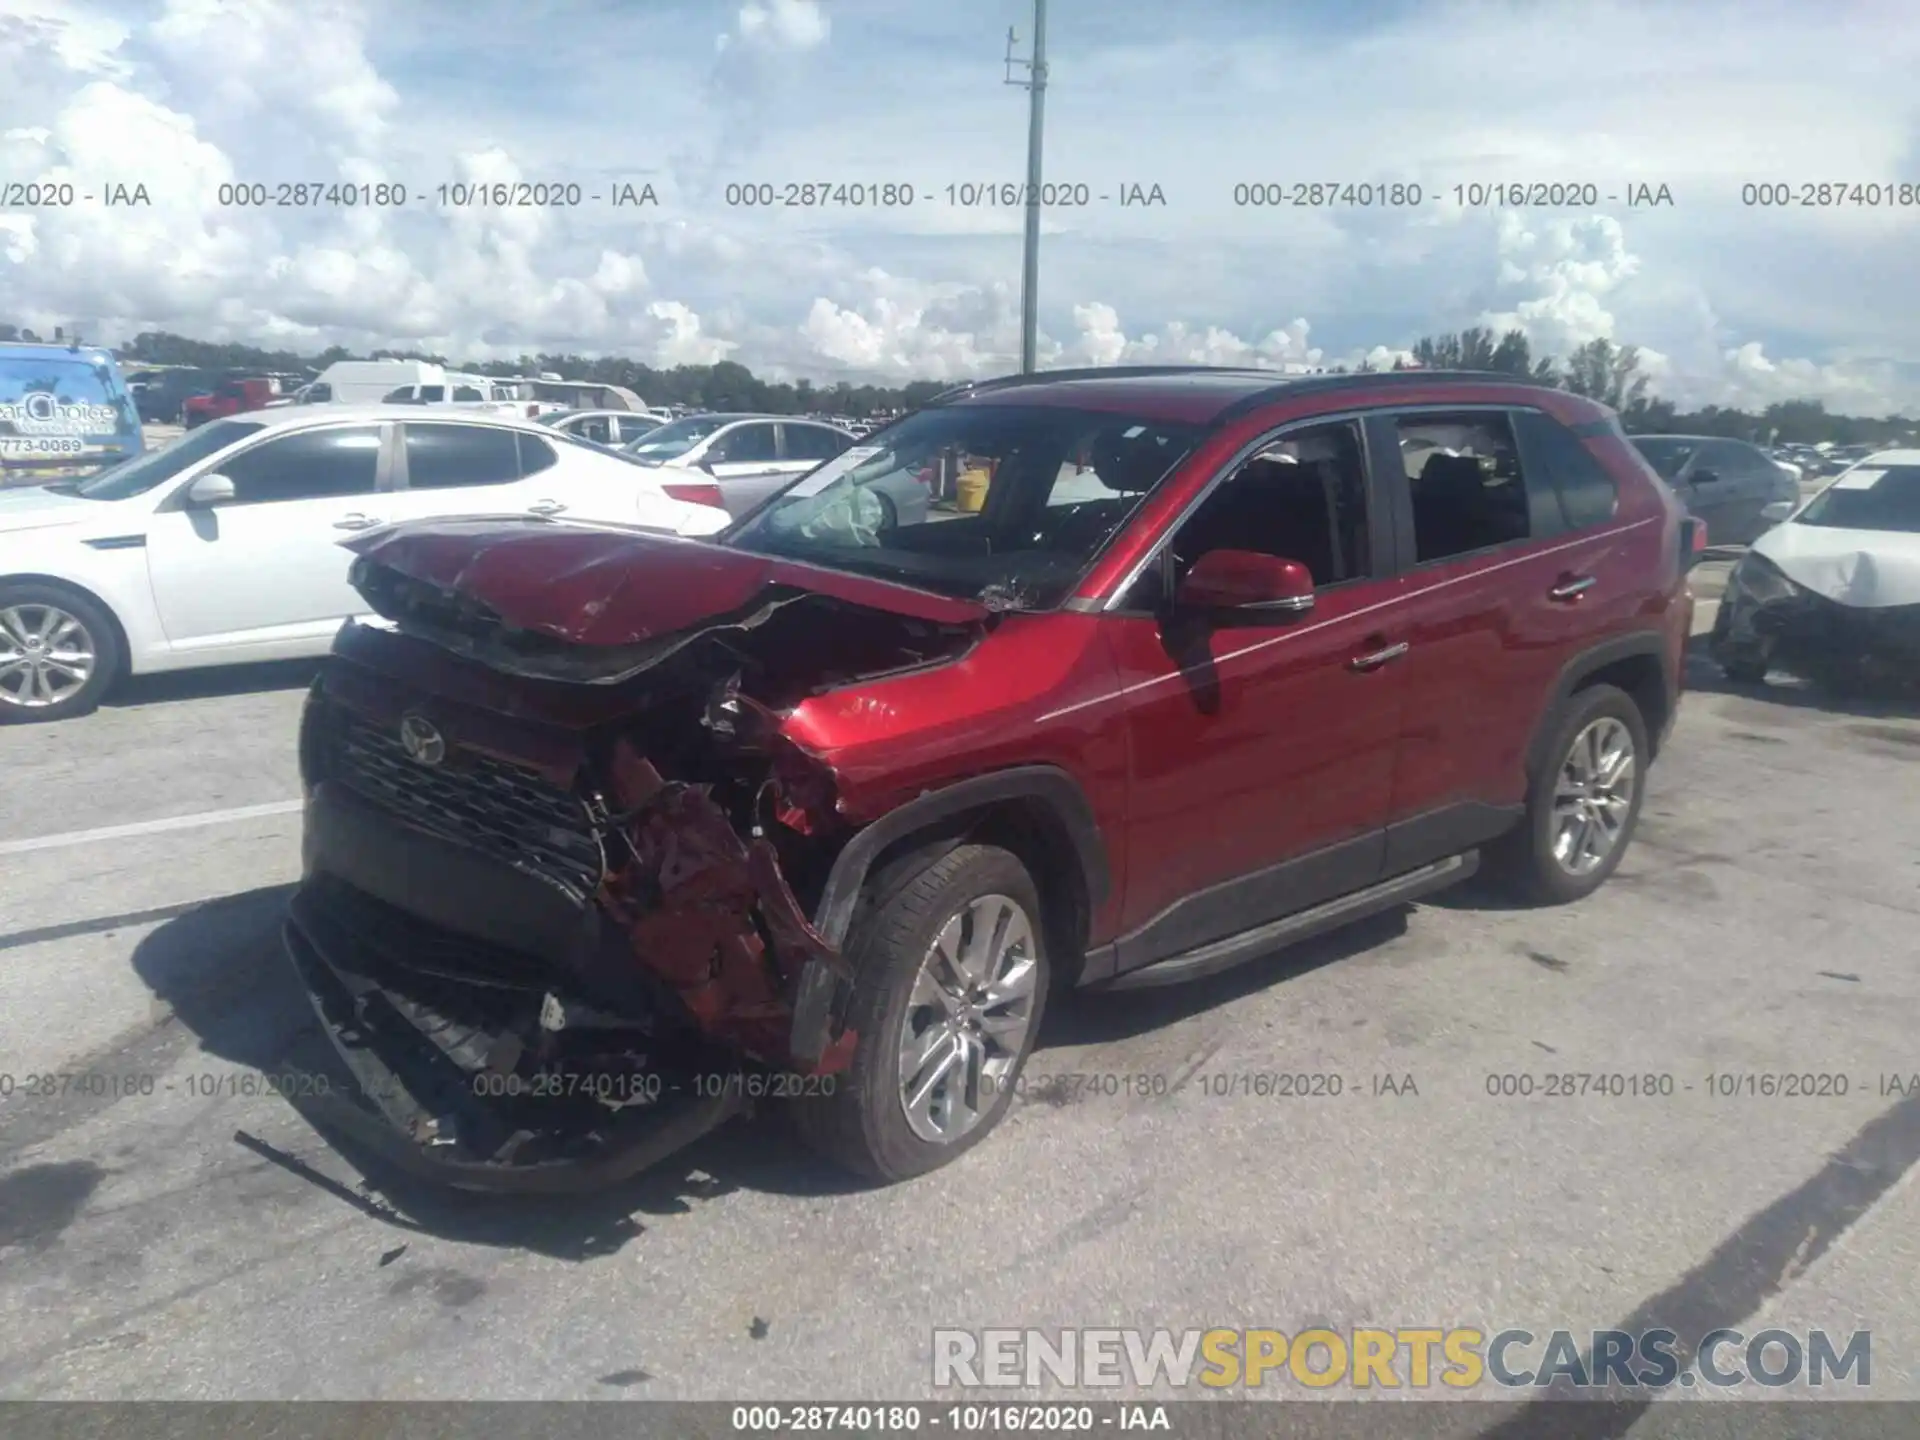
(1601, 370)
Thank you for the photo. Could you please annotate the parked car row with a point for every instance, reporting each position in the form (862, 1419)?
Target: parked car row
(743, 744)
(223, 547)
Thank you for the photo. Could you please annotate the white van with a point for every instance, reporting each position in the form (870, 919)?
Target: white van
(471, 392)
(366, 382)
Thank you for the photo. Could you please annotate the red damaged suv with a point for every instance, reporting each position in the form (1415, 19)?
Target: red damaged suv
(609, 833)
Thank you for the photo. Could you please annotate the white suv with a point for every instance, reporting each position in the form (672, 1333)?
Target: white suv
(222, 547)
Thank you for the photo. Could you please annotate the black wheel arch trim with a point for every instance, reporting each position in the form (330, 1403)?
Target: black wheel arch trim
(1650, 643)
(1047, 784)
(820, 1000)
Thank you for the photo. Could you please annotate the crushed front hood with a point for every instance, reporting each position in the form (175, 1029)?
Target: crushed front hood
(1866, 569)
(602, 587)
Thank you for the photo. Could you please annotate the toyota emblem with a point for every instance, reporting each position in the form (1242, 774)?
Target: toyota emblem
(421, 741)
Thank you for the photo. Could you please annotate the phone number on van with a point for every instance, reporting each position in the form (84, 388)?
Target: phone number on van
(42, 445)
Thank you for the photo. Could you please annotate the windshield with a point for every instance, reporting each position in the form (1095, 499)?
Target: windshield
(1667, 457)
(1869, 499)
(1007, 505)
(156, 467)
(61, 413)
(670, 442)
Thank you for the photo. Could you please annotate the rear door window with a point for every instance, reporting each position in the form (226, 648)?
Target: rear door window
(1468, 490)
(440, 457)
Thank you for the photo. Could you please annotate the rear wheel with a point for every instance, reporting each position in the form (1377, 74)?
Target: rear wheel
(951, 979)
(59, 652)
(1584, 803)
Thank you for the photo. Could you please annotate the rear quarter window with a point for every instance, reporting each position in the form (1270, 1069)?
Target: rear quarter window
(1588, 494)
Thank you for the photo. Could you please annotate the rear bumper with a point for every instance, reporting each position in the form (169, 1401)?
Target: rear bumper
(427, 1107)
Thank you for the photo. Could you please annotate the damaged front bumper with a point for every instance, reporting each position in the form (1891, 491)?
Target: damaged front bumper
(1767, 622)
(446, 1089)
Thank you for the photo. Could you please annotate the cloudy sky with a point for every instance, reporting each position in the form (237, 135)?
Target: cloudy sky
(1733, 303)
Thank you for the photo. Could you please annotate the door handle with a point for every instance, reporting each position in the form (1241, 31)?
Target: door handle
(1375, 659)
(545, 507)
(356, 521)
(1571, 588)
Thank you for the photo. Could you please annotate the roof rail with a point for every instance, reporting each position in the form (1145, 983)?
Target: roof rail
(1280, 379)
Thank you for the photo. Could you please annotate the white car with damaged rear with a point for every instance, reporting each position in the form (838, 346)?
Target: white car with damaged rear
(223, 547)
(1832, 592)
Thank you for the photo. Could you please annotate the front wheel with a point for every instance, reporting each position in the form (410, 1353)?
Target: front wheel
(59, 652)
(1584, 804)
(951, 979)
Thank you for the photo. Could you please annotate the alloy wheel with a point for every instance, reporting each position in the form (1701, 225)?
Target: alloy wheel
(46, 655)
(1594, 796)
(967, 1019)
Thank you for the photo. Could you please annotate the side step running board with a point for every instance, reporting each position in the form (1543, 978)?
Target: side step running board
(1219, 955)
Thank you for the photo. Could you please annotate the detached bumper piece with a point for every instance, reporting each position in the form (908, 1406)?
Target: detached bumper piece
(449, 1090)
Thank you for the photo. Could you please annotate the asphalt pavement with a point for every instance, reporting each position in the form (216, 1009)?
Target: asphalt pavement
(203, 1241)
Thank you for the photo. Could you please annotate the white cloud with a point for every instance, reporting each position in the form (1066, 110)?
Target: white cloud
(1729, 303)
(782, 24)
(1561, 273)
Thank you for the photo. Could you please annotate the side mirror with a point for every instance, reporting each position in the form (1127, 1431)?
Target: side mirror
(209, 490)
(1703, 477)
(1776, 512)
(1247, 583)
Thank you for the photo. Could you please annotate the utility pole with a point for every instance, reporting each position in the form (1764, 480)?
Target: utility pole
(1035, 82)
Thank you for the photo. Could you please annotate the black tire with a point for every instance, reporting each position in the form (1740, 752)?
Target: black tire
(1524, 861)
(109, 653)
(862, 1124)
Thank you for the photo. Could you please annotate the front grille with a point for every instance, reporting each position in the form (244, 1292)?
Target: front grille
(504, 811)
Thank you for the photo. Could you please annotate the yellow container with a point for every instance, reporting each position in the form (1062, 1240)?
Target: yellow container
(970, 490)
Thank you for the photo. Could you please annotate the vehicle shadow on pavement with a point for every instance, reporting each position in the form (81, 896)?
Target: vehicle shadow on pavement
(171, 685)
(1704, 677)
(1095, 1017)
(220, 969)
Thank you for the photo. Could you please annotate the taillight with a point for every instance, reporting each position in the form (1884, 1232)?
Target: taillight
(1693, 540)
(703, 492)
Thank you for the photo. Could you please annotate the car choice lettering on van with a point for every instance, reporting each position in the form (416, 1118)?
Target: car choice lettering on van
(39, 412)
